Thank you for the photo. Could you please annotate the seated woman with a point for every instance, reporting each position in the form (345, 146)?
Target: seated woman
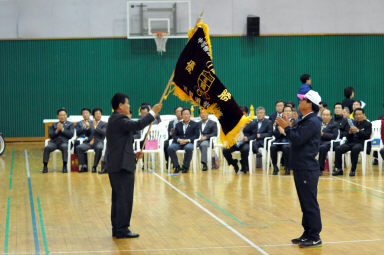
(281, 143)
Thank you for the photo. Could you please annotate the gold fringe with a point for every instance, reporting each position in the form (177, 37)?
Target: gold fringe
(205, 28)
(227, 140)
(231, 138)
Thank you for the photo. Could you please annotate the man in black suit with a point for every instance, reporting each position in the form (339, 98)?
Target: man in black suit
(329, 131)
(339, 119)
(360, 130)
(171, 129)
(208, 129)
(59, 133)
(249, 133)
(185, 134)
(279, 106)
(282, 143)
(94, 141)
(121, 162)
(264, 128)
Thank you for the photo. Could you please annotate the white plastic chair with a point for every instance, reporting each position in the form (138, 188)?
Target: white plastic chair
(157, 133)
(331, 151)
(70, 151)
(262, 150)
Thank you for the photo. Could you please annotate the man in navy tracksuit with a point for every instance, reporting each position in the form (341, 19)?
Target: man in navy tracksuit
(305, 139)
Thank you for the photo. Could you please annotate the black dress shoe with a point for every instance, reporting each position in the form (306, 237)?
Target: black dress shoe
(275, 170)
(205, 168)
(235, 166)
(287, 171)
(185, 170)
(337, 172)
(177, 169)
(352, 173)
(83, 169)
(103, 171)
(94, 170)
(45, 169)
(126, 235)
(65, 169)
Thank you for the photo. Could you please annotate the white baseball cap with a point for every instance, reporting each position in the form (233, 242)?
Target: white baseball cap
(311, 95)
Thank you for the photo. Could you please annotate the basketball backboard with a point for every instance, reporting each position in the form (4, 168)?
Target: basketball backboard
(146, 18)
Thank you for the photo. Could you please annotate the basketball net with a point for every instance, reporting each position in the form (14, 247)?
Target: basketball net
(161, 41)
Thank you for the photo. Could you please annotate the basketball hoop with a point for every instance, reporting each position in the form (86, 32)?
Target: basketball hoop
(161, 41)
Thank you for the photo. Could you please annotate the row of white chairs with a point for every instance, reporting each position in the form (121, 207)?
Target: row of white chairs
(159, 133)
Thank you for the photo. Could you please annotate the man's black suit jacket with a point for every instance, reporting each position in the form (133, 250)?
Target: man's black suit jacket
(99, 132)
(61, 136)
(330, 132)
(191, 133)
(120, 130)
(210, 129)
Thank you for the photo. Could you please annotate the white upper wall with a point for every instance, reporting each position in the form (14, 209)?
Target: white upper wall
(101, 18)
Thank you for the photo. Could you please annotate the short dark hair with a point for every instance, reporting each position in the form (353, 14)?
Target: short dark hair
(243, 108)
(291, 103)
(324, 104)
(294, 110)
(305, 77)
(315, 107)
(287, 106)
(177, 107)
(358, 109)
(326, 109)
(96, 109)
(338, 103)
(186, 109)
(144, 107)
(279, 101)
(85, 109)
(61, 110)
(357, 101)
(348, 91)
(118, 98)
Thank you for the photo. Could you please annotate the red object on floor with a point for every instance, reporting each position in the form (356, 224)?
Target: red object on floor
(74, 163)
(326, 167)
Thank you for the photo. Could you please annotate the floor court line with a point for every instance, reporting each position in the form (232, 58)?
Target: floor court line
(358, 184)
(32, 206)
(213, 215)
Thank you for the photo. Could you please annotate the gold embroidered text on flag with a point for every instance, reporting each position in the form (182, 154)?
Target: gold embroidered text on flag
(195, 81)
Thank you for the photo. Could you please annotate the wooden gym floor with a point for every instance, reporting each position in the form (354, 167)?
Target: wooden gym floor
(203, 213)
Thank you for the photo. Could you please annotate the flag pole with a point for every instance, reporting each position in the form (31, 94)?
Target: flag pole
(161, 100)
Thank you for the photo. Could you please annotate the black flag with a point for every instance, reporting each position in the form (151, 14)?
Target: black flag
(195, 80)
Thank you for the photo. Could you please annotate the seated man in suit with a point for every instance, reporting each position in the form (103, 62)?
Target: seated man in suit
(360, 131)
(329, 131)
(171, 129)
(82, 127)
(249, 133)
(339, 119)
(264, 128)
(94, 141)
(281, 143)
(207, 129)
(59, 133)
(185, 134)
(279, 105)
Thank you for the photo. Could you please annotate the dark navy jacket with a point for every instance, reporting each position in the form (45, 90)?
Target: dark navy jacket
(305, 139)
(191, 133)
